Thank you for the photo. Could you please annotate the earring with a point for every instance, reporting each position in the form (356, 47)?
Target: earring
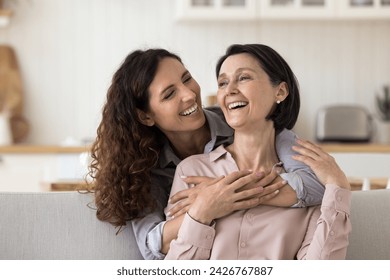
(278, 101)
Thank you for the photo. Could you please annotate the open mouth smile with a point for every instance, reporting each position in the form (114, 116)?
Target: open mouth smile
(236, 105)
(190, 110)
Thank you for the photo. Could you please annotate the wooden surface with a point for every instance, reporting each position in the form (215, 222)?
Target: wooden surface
(355, 148)
(330, 148)
(62, 186)
(6, 13)
(375, 183)
(36, 149)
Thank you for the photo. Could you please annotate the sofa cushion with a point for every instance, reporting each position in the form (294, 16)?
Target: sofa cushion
(59, 225)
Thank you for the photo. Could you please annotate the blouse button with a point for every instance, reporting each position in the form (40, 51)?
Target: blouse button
(243, 244)
(331, 232)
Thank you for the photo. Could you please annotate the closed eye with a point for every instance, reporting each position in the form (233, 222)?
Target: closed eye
(243, 78)
(222, 84)
(168, 94)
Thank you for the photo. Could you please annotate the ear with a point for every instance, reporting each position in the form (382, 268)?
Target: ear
(282, 91)
(145, 118)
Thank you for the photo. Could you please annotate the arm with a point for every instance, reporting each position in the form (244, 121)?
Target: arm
(309, 190)
(196, 234)
(326, 236)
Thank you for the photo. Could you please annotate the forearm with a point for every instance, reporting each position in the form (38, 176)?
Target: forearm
(285, 198)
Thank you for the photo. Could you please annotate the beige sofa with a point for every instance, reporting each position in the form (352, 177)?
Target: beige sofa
(63, 225)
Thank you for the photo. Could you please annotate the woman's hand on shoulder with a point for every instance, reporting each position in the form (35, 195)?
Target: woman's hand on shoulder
(323, 164)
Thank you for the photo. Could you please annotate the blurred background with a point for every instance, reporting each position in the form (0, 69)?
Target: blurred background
(68, 50)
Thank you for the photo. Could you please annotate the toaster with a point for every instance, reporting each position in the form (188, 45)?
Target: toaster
(344, 123)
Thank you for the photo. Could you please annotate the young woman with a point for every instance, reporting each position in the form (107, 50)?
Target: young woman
(258, 94)
(152, 119)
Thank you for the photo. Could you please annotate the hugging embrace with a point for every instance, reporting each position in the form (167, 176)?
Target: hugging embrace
(234, 181)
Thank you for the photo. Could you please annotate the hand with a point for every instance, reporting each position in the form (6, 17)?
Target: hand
(323, 164)
(183, 199)
(229, 194)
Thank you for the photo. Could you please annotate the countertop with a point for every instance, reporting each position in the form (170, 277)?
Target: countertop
(329, 147)
(42, 149)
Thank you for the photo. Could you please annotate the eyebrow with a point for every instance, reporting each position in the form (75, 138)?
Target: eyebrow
(238, 70)
(171, 85)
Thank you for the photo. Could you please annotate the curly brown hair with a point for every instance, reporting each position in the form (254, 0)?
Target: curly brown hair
(125, 150)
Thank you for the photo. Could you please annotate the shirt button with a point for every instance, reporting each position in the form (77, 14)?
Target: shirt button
(249, 216)
(339, 198)
(243, 244)
(331, 233)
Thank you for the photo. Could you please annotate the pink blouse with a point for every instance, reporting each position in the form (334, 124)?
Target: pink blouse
(263, 232)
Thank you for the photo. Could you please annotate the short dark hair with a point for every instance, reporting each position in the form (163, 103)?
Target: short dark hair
(286, 113)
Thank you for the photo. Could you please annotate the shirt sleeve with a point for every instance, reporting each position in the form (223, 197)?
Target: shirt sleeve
(148, 234)
(311, 191)
(327, 235)
(194, 241)
(148, 230)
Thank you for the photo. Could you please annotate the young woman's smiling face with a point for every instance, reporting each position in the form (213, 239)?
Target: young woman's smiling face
(245, 92)
(175, 104)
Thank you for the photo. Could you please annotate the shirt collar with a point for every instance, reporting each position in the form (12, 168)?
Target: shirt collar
(218, 128)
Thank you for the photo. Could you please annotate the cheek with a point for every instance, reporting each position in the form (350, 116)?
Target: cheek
(220, 97)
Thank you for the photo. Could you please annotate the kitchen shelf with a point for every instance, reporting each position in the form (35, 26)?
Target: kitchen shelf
(42, 149)
(328, 147)
(355, 148)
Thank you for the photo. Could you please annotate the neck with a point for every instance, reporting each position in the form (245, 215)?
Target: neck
(190, 143)
(255, 150)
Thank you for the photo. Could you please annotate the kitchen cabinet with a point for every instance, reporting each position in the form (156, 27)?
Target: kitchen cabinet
(364, 9)
(216, 9)
(297, 9)
(34, 168)
(197, 10)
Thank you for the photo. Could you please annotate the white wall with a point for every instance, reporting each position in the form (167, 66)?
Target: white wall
(69, 49)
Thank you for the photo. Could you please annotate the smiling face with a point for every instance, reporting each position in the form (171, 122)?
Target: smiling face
(245, 92)
(175, 104)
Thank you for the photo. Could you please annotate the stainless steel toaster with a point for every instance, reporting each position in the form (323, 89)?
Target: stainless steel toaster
(346, 123)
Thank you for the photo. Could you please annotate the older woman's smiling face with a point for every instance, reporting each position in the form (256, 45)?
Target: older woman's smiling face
(245, 92)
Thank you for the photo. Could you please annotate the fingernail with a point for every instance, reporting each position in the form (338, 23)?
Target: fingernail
(169, 214)
(183, 176)
(276, 192)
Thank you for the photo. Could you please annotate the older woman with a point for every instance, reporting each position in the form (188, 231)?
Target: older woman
(259, 97)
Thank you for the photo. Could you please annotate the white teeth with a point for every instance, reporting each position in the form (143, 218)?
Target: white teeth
(237, 104)
(189, 111)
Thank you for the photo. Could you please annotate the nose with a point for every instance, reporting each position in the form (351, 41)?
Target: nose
(187, 94)
(231, 89)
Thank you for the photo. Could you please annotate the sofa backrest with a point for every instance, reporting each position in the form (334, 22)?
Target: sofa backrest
(61, 225)
(370, 218)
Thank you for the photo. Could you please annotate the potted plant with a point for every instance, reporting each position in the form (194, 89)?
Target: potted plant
(383, 105)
